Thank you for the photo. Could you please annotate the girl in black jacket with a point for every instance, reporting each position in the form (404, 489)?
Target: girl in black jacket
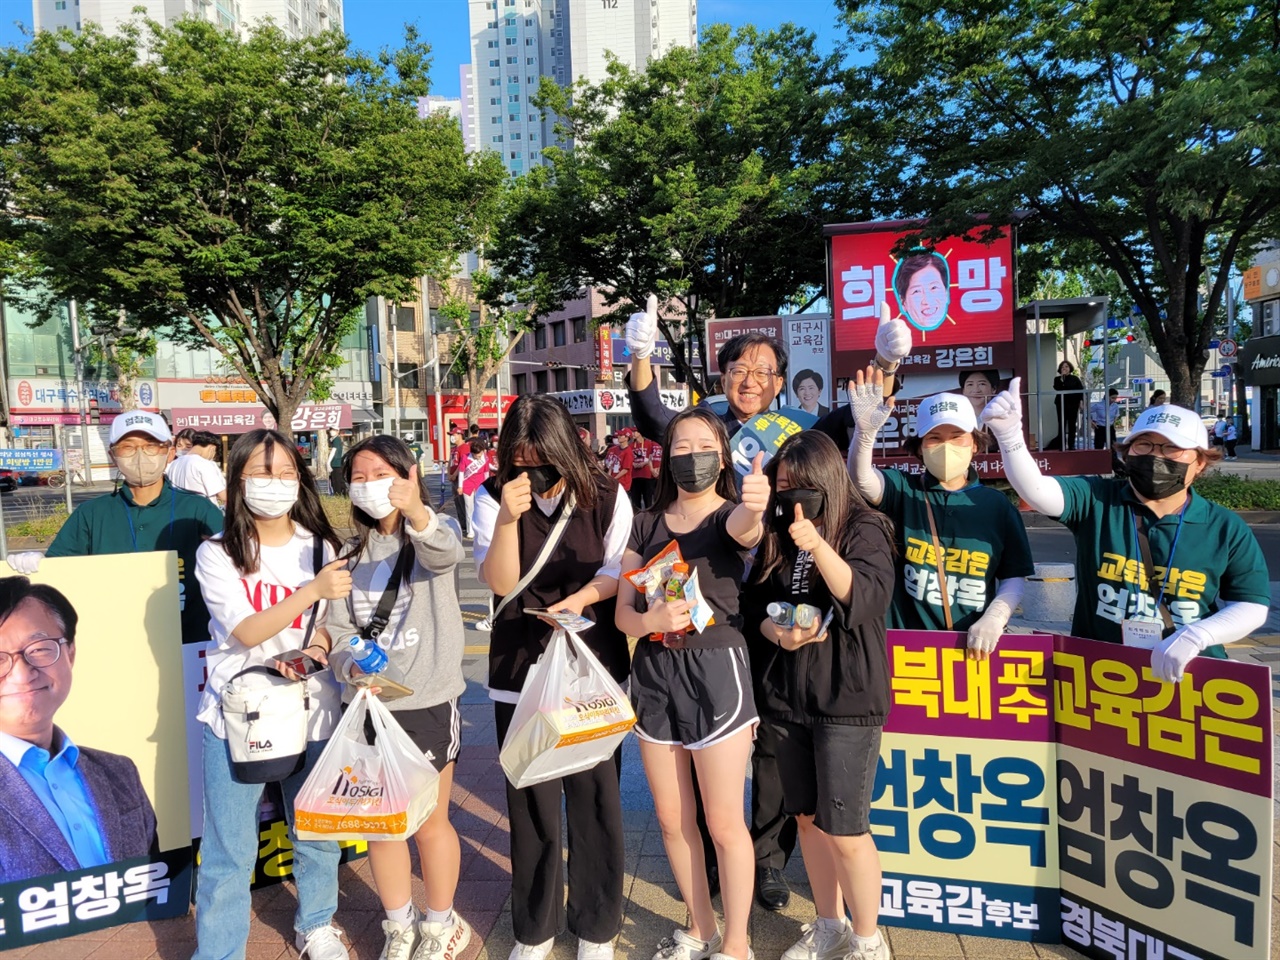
(825, 692)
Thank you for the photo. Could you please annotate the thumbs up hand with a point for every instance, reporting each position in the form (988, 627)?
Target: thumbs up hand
(642, 330)
(406, 496)
(755, 487)
(1003, 414)
(893, 337)
(804, 533)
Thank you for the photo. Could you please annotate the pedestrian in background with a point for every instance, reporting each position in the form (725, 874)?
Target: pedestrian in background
(1102, 415)
(196, 471)
(337, 483)
(1068, 396)
(1229, 439)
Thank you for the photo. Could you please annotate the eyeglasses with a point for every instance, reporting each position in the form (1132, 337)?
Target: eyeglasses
(42, 653)
(761, 375)
(132, 449)
(1169, 451)
(262, 479)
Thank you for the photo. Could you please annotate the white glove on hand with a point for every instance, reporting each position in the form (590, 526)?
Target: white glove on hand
(1169, 657)
(26, 563)
(988, 629)
(642, 330)
(869, 409)
(893, 337)
(1003, 413)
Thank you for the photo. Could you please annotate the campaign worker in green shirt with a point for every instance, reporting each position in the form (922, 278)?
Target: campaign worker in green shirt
(1157, 565)
(144, 513)
(962, 548)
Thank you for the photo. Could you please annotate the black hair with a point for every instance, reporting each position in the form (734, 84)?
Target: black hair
(920, 259)
(15, 591)
(804, 375)
(186, 433)
(397, 455)
(1113, 392)
(240, 531)
(1071, 367)
(993, 377)
(201, 438)
(735, 348)
(542, 423)
(665, 493)
(478, 446)
(814, 463)
(473, 429)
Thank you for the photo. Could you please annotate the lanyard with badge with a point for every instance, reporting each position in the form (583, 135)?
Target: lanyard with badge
(1144, 633)
(128, 515)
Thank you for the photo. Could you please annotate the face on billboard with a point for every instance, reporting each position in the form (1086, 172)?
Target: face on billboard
(923, 292)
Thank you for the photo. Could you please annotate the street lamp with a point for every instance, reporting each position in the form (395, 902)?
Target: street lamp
(381, 359)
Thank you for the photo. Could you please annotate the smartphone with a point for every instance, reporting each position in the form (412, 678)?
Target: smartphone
(570, 621)
(826, 622)
(390, 689)
(300, 663)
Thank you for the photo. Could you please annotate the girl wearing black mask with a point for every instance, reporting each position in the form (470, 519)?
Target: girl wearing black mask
(1157, 565)
(823, 689)
(544, 476)
(692, 691)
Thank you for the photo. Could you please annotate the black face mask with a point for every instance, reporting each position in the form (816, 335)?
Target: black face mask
(812, 501)
(1156, 477)
(695, 472)
(542, 479)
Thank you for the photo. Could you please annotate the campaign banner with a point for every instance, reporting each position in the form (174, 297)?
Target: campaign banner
(29, 461)
(766, 432)
(990, 466)
(956, 294)
(122, 851)
(720, 332)
(307, 418)
(809, 383)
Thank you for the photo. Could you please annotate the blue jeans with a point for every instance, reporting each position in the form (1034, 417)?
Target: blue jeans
(229, 851)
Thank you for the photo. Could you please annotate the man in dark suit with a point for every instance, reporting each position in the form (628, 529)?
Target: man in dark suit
(67, 807)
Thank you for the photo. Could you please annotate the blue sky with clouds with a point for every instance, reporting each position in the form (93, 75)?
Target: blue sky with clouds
(373, 24)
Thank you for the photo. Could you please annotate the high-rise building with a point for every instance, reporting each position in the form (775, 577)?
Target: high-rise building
(297, 18)
(515, 43)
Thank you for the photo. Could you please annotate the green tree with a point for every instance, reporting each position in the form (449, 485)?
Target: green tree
(248, 195)
(1139, 137)
(703, 179)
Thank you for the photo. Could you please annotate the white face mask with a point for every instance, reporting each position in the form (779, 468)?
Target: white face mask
(947, 461)
(270, 498)
(371, 497)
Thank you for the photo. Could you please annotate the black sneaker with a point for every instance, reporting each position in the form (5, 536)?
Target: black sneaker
(772, 891)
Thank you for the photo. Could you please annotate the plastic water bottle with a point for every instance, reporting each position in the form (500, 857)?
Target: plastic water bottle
(373, 660)
(783, 614)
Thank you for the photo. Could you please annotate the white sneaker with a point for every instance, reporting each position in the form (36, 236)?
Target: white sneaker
(879, 952)
(595, 951)
(442, 941)
(400, 940)
(322, 943)
(684, 946)
(751, 955)
(821, 941)
(484, 625)
(537, 951)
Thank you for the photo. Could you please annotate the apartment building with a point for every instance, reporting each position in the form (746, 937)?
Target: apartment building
(297, 18)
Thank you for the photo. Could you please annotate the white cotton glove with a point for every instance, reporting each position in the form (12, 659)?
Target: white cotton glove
(1003, 414)
(26, 563)
(869, 408)
(642, 330)
(988, 629)
(1169, 657)
(893, 337)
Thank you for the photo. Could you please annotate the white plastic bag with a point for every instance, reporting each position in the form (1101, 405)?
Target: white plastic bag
(358, 791)
(571, 715)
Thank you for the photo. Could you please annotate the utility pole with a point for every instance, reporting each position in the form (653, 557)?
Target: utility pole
(87, 469)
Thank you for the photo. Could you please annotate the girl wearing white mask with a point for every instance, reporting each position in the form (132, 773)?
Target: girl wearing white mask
(963, 549)
(405, 550)
(267, 580)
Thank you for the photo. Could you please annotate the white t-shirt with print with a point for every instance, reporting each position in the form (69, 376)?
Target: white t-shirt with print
(195, 474)
(232, 598)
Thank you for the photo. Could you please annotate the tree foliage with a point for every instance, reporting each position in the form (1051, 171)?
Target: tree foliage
(248, 195)
(1140, 137)
(704, 179)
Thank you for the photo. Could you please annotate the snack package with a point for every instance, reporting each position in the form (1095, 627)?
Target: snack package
(651, 579)
(699, 609)
(660, 580)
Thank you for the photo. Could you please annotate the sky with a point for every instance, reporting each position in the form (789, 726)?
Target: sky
(373, 24)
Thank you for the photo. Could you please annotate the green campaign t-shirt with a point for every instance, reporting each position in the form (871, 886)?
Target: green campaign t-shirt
(175, 520)
(1217, 559)
(335, 458)
(982, 538)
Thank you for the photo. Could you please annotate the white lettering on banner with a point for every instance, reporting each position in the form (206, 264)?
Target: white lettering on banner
(583, 402)
(1265, 363)
(92, 896)
(981, 280)
(864, 289)
(959, 904)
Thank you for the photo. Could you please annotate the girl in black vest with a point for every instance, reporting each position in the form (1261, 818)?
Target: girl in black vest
(692, 692)
(544, 472)
(823, 689)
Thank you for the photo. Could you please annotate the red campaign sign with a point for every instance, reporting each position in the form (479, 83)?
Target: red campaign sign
(957, 297)
(604, 353)
(720, 332)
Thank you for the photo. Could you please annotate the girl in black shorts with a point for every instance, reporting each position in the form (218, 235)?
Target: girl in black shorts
(825, 692)
(693, 697)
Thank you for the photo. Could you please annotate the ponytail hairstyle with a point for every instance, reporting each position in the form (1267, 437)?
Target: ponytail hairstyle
(814, 463)
(666, 491)
(541, 424)
(397, 455)
(240, 529)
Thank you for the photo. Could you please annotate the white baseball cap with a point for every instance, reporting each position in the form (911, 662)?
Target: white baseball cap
(139, 421)
(1178, 425)
(945, 409)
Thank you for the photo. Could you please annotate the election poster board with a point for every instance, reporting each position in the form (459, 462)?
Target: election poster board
(124, 710)
(720, 332)
(1058, 792)
(957, 295)
(809, 383)
(766, 432)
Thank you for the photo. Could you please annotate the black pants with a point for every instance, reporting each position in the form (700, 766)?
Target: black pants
(593, 807)
(1068, 421)
(1101, 437)
(337, 482)
(641, 492)
(1231, 447)
(460, 506)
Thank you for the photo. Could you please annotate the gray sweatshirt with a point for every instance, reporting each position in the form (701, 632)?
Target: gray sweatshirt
(424, 635)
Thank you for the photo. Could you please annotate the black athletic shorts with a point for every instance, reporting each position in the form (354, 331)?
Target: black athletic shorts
(436, 731)
(690, 697)
(828, 772)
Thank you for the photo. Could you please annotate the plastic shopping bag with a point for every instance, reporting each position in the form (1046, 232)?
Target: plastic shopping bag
(360, 791)
(571, 716)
